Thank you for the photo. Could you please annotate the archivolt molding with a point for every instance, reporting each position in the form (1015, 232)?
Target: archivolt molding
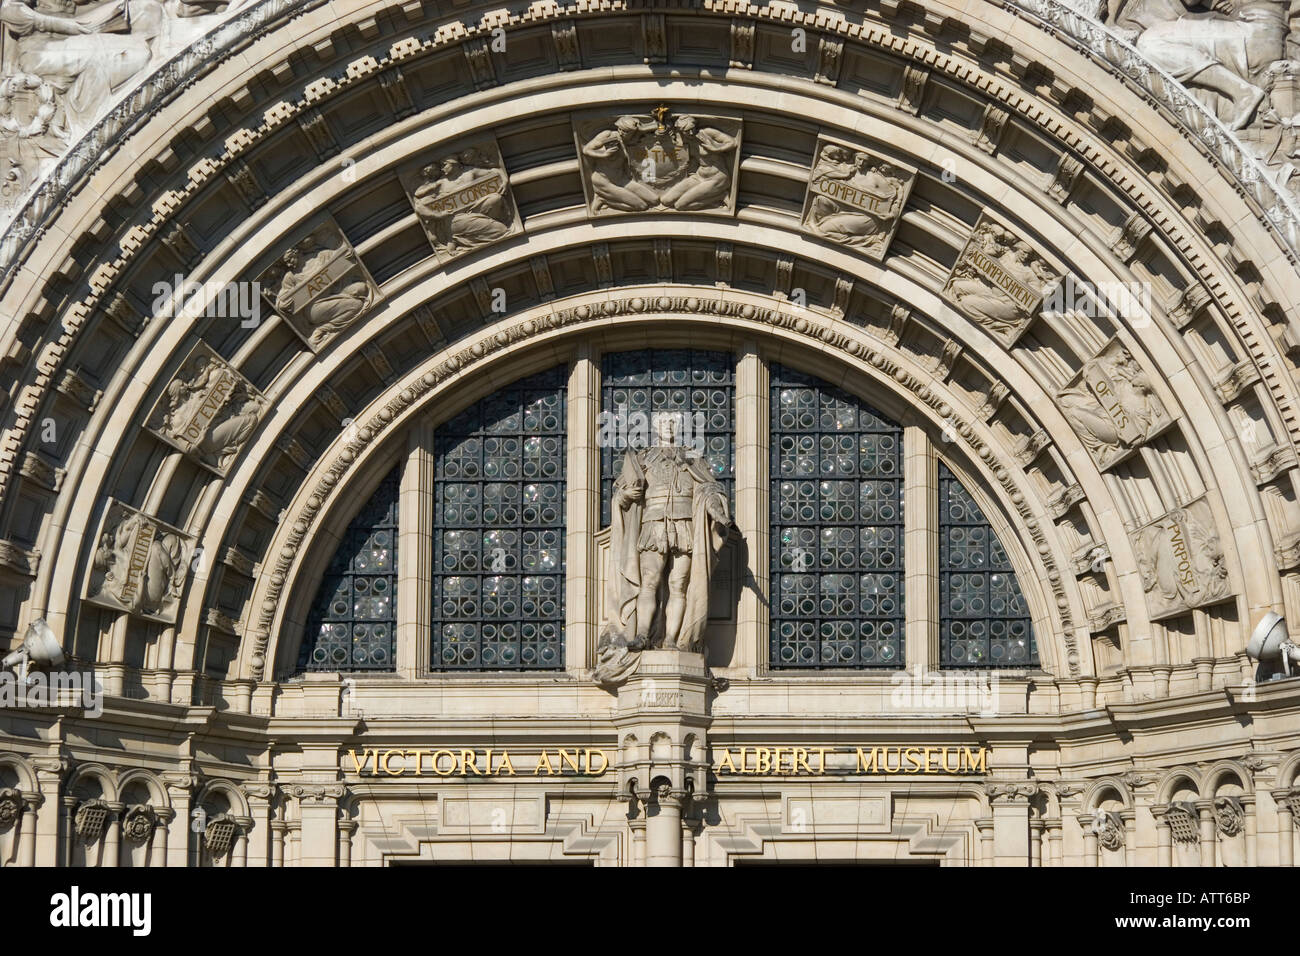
(1242, 302)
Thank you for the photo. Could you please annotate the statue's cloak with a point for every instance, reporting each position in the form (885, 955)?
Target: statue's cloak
(616, 659)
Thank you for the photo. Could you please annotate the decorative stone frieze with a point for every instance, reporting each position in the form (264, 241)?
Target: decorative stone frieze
(140, 564)
(855, 198)
(1181, 560)
(463, 200)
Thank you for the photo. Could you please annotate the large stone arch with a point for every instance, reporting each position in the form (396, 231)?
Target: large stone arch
(194, 186)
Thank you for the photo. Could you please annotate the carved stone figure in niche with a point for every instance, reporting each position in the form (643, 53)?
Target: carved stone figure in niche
(463, 200)
(208, 411)
(999, 281)
(139, 565)
(641, 163)
(669, 522)
(319, 285)
(1181, 561)
(1112, 406)
(1228, 51)
(855, 198)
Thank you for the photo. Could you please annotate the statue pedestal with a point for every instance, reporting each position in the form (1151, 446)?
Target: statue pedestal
(662, 724)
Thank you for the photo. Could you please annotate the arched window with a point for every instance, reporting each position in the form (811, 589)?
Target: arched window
(498, 569)
(352, 620)
(983, 621)
(836, 528)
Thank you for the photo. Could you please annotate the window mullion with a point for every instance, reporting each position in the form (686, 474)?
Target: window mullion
(921, 549)
(752, 509)
(415, 554)
(582, 513)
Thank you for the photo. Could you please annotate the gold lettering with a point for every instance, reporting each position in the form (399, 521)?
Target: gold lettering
(604, 763)
(914, 758)
(930, 753)
(863, 766)
(388, 755)
(800, 760)
(543, 761)
(468, 764)
(571, 760)
(762, 760)
(968, 758)
(821, 765)
(365, 758)
(726, 763)
(438, 755)
(416, 754)
(946, 768)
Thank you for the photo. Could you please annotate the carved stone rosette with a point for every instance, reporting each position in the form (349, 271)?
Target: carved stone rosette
(140, 564)
(208, 410)
(999, 281)
(657, 161)
(855, 198)
(1112, 405)
(319, 285)
(1181, 561)
(463, 200)
(138, 824)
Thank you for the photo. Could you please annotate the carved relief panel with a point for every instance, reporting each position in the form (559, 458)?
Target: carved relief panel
(1112, 406)
(659, 160)
(999, 281)
(319, 285)
(208, 411)
(855, 198)
(1181, 561)
(139, 565)
(463, 200)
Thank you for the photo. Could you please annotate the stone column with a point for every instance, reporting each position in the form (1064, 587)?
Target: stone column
(1086, 823)
(753, 410)
(1035, 842)
(415, 554)
(920, 552)
(180, 788)
(663, 705)
(1285, 827)
(260, 797)
(1251, 835)
(637, 828)
(158, 846)
(984, 827)
(69, 828)
(49, 778)
(1010, 804)
(278, 830)
(1055, 853)
(346, 829)
(27, 828)
(318, 810)
(1209, 832)
(113, 836)
(1164, 837)
(663, 828)
(1129, 816)
(582, 513)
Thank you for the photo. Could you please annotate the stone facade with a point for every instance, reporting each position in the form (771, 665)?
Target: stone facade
(1068, 277)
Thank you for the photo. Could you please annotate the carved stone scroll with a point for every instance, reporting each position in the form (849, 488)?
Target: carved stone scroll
(319, 285)
(208, 411)
(659, 160)
(855, 198)
(1112, 406)
(1181, 561)
(139, 565)
(463, 200)
(999, 281)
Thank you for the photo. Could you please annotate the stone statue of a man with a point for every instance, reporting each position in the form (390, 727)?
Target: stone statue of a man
(669, 522)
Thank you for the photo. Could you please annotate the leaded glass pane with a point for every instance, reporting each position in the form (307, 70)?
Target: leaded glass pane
(696, 387)
(498, 577)
(837, 528)
(352, 621)
(983, 621)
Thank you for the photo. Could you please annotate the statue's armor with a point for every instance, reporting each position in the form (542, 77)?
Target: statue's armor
(670, 489)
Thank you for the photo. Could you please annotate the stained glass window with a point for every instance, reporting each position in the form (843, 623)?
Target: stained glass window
(351, 623)
(696, 388)
(983, 621)
(498, 578)
(837, 528)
